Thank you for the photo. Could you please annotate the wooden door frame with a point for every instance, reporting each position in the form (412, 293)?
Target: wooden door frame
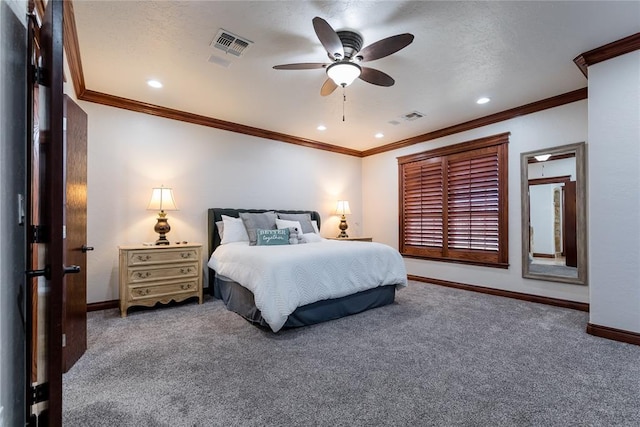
(51, 45)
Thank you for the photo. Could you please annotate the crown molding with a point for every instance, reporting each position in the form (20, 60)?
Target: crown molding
(72, 48)
(169, 113)
(608, 51)
(555, 101)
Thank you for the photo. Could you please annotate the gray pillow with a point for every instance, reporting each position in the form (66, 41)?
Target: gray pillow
(303, 218)
(253, 221)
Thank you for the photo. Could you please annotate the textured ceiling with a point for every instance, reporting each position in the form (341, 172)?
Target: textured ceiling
(513, 52)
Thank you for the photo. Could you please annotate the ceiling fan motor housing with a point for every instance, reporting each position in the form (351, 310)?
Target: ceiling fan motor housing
(351, 41)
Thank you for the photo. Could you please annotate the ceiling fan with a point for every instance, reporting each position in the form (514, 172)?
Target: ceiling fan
(345, 51)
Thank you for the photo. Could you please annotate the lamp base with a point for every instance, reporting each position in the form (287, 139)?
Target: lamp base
(162, 228)
(343, 228)
(162, 240)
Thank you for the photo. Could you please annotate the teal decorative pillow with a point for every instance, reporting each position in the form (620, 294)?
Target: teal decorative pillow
(272, 237)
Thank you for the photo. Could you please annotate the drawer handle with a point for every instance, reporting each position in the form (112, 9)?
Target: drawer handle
(143, 275)
(185, 286)
(143, 292)
(144, 258)
(187, 270)
(185, 254)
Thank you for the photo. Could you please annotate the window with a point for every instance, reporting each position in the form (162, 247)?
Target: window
(453, 203)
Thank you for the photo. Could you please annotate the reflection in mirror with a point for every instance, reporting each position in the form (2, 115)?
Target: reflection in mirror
(553, 214)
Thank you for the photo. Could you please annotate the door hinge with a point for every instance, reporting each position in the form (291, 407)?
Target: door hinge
(39, 393)
(38, 74)
(37, 234)
(64, 340)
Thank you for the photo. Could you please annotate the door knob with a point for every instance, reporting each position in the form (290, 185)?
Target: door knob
(86, 249)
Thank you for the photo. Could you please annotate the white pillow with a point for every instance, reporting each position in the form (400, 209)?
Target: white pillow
(311, 238)
(234, 230)
(314, 224)
(285, 223)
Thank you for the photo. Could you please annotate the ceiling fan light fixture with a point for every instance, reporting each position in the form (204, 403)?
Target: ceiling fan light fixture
(343, 73)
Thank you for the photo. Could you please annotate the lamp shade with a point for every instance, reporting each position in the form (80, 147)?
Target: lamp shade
(162, 200)
(342, 208)
(343, 73)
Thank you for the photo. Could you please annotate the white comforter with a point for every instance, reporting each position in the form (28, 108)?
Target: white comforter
(283, 278)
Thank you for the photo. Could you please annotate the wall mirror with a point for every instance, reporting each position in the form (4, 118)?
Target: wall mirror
(554, 224)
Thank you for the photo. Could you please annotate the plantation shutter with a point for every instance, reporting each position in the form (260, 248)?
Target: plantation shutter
(453, 203)
(422, 201)
(472, 200)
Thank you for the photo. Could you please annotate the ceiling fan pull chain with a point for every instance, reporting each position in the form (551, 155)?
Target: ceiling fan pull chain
(344, 100)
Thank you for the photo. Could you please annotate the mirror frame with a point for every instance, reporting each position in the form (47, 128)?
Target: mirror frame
(581, 212)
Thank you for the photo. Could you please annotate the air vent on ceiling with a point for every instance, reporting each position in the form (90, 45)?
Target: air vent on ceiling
(414, 115)
(394, 122)
(230, 43)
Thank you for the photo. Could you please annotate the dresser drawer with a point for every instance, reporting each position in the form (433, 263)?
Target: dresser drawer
(162, 272)
(159, 274)
(158, 290)
(153, 256)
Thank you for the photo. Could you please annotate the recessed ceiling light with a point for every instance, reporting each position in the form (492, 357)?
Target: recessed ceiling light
(321, 127)
(154, 83)
(379, 135)
(483, 100)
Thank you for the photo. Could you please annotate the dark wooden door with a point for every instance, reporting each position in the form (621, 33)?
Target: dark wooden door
(570, 242)
(74, 326)
(45, 182)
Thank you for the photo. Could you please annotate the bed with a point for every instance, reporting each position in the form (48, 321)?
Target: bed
(289, 286)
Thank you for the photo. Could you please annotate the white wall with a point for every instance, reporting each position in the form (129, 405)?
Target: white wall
(129, 153)
(549, 128)
(614, 188)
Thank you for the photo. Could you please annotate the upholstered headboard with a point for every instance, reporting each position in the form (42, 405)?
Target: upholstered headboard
(215, 215)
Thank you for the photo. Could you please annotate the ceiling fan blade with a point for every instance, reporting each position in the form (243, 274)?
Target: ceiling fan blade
(376, 77)
(328, 87)
(328, 37)
(385, 47)
(300, 66)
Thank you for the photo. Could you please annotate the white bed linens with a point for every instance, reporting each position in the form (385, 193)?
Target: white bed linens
(283, 278)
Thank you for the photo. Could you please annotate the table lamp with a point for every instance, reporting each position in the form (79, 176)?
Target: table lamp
(162, 200)
(343, 209)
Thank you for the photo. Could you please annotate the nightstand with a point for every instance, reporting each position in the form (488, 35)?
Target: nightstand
(152, 274)
(352, 239)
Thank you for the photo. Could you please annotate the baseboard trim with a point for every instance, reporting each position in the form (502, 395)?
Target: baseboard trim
(557, 302)
(613, 334)
(104, 305)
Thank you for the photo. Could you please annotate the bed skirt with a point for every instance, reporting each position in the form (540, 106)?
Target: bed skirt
(240, 300)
